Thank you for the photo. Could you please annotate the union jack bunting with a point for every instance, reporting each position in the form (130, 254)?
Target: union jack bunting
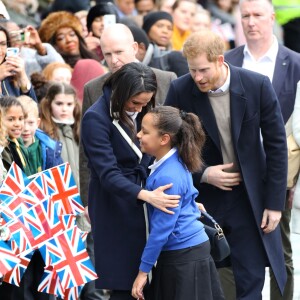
(8, 259)
(70, 259)
(14, 182)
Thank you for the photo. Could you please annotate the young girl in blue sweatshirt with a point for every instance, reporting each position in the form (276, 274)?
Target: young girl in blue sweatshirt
(178, 242)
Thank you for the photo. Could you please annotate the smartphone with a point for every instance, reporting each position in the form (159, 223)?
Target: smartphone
(109, 20)
(12, 51)
(19, 35)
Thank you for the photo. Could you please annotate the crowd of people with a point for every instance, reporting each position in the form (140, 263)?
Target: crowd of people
(160, 107)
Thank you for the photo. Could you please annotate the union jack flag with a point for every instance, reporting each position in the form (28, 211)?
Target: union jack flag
(28, 197)
(14, 182)
(50, 283)
(15, 275)
(70, 259)
(73, 293)
(21, 234)
(59, 183)
(8, 259)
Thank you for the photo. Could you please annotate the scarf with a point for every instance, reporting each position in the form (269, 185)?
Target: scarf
(20, 155)
(34, 152)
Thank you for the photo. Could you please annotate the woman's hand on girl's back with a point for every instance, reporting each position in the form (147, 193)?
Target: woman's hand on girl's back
(159, 199)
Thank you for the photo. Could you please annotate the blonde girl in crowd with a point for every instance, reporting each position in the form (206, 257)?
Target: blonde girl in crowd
(60, 118)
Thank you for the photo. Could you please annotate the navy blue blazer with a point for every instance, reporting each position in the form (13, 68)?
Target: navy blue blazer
(117, 217)
(285, 78)
(254, 108)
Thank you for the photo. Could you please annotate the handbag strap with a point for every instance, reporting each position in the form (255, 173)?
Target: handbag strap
(214, 222)
(128, 140)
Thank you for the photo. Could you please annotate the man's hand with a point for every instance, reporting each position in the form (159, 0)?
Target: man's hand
(222, 179)
(270, 220)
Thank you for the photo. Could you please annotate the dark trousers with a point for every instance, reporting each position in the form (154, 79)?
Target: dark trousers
(121, 295)
(288, 257)
(248, 257)
(89, 291)
(30, 281)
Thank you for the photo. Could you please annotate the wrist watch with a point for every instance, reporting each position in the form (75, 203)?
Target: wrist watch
(26, 88)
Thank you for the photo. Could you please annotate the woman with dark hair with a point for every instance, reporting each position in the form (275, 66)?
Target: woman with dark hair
(95, 25)
(95, 17)
(14, 81)
(64, 31)
(118, 170)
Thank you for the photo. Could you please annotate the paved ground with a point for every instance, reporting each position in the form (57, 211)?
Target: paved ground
(296, 255)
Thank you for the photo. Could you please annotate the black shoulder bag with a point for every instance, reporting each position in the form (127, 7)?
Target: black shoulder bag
(218, 243)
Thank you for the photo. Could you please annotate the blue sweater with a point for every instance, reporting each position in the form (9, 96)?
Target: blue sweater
(178, 231)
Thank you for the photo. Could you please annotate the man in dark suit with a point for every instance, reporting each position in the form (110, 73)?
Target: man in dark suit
(243, 183)
(263, 54)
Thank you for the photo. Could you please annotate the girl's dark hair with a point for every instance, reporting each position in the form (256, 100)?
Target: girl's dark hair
(185, 132)
(3, 29)
(131, 80)
(7, 102)
(47, 124)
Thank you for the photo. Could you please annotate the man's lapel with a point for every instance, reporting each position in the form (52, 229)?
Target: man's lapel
(237, 105)
(280, 71)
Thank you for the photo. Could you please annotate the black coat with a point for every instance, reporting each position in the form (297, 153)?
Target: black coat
(117, 217)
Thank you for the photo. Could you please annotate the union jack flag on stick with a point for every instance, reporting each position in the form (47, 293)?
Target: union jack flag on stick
(14, 182)
(69, 258)
(8, 258)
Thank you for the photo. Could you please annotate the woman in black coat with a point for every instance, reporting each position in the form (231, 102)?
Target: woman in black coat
(118, 170)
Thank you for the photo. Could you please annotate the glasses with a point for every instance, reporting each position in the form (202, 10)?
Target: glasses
(3, 44)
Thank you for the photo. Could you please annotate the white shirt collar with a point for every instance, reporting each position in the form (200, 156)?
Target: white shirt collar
(271, 54)
(156, 163)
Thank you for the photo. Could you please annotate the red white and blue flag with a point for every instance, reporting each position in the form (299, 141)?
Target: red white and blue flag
(8, 259)
(69, 258)
(14, 182)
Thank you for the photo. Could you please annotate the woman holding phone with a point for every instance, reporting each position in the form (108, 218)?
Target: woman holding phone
(14, 81)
